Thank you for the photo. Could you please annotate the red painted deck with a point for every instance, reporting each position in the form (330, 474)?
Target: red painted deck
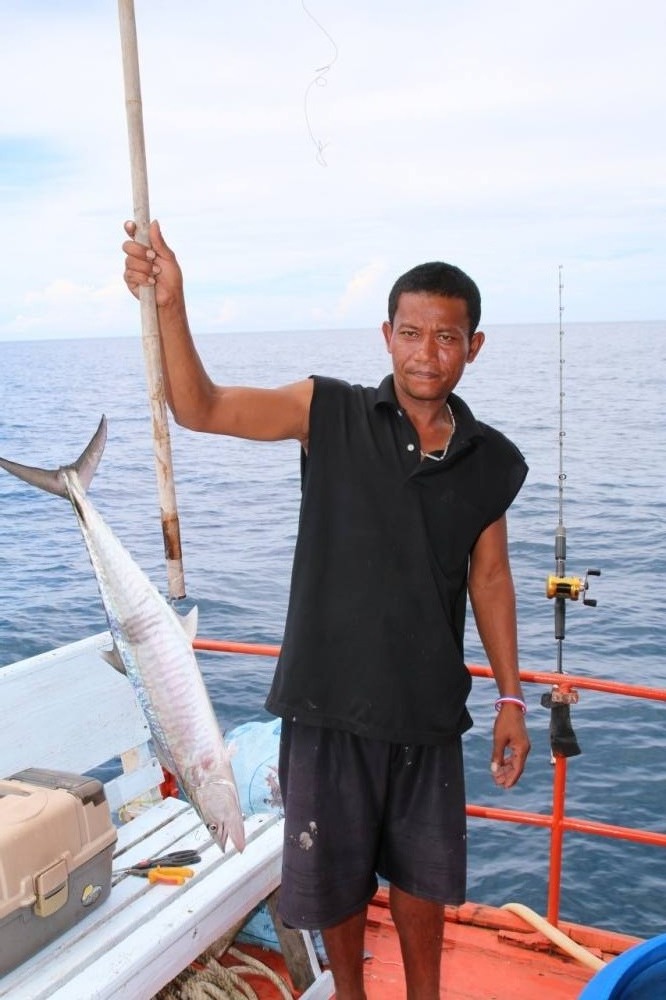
(489, 954)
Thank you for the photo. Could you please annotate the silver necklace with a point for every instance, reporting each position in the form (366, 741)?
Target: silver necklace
(442, 456)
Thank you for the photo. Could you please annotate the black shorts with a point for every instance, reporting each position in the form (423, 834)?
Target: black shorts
(357, 808)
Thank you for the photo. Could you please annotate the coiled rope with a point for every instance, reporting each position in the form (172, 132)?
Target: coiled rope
(214, 981)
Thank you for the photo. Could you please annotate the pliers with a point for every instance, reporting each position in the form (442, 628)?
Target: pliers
(166, 869)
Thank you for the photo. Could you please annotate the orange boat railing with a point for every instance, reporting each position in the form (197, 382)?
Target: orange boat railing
(557, 821)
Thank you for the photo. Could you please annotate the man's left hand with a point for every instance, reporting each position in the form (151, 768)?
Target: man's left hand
(511, 745)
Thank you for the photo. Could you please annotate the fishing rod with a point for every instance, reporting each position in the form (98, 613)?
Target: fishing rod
(562, 588)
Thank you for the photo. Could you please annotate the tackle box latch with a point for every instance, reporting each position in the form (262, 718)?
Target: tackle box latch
(51, 889)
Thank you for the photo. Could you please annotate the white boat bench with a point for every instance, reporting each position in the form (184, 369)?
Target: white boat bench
(69, 710)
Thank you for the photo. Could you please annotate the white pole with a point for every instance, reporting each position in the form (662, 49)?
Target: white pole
(149, 326)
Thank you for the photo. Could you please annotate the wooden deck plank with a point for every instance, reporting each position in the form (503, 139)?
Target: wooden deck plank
(157, 829)
(477, 961)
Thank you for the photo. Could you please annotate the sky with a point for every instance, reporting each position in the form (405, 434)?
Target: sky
(301, 155)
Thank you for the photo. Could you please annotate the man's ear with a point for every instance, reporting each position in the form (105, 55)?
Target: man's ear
(476, 342)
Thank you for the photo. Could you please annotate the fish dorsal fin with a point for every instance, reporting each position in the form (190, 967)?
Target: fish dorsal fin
(86, 464)
(190, 623)
(113, 657)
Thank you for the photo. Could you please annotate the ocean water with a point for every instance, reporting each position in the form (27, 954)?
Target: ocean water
(238, 507)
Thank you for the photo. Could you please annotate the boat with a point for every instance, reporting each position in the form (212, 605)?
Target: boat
(68, 709)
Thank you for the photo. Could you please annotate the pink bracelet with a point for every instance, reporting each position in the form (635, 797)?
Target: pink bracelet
(509, 699)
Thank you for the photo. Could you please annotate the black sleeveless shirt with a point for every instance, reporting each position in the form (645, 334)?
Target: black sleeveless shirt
(373, 639)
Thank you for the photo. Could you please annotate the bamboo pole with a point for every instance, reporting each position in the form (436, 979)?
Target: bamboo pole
(149, 325)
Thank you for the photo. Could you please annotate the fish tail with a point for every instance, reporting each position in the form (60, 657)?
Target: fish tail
(55, 480)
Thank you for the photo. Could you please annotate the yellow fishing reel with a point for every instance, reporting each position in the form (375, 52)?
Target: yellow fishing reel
(570, 587)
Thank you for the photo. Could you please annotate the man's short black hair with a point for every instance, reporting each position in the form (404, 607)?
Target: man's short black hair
(438, 278)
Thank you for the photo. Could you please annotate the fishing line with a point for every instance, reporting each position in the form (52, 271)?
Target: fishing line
(562, 433)
(320, 80)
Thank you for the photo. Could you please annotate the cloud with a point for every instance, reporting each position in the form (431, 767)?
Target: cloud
(506, 138)
(71, 309)
(363, 283)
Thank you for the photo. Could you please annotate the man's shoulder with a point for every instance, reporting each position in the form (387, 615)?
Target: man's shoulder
(498, 439)
(327, 387)
(333, 382)
(474, 427)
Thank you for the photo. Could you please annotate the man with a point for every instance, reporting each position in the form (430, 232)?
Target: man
(404, 497)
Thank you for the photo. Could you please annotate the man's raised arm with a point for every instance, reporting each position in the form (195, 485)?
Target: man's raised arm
(194, 399)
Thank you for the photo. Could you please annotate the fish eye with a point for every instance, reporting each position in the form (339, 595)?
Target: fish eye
(212, 827)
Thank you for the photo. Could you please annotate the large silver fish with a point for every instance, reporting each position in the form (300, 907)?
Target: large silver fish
(153, 646)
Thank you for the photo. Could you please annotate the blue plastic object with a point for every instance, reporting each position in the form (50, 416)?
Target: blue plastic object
(637, 974)
(254, 749)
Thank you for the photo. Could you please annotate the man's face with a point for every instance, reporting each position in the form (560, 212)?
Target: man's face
(430, 345)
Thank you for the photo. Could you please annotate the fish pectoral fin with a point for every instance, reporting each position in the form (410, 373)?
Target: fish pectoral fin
(190, 623)
(113, 657)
